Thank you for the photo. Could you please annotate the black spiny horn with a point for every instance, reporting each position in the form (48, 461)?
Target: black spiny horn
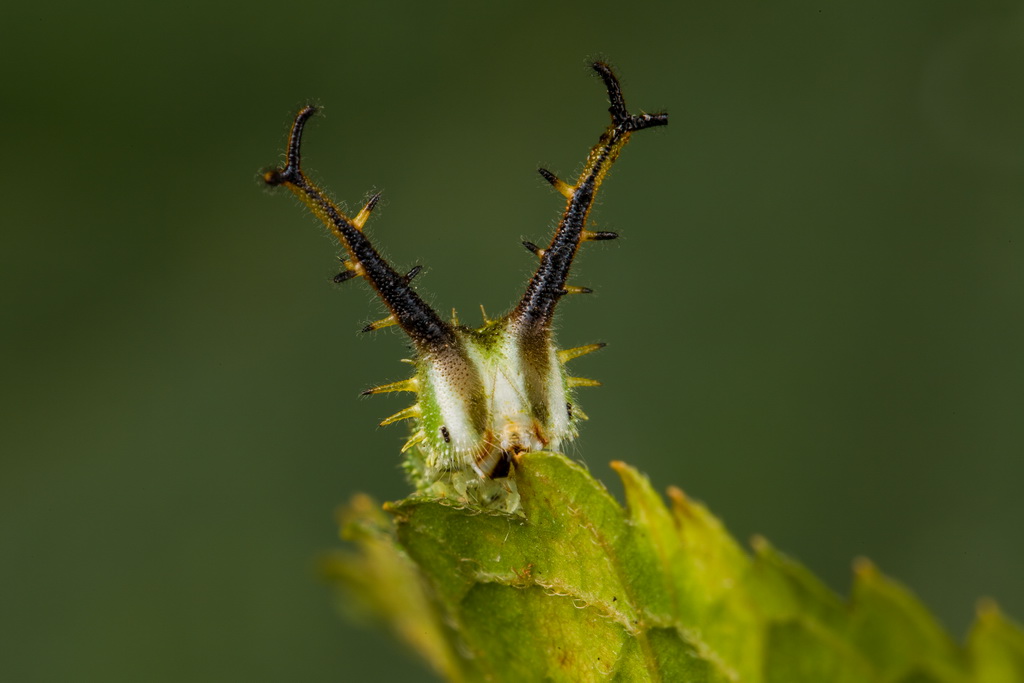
(407, 309)
(534, 312)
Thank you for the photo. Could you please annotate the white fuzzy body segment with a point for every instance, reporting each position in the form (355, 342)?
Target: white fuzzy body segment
(453, 391)
(483, 404)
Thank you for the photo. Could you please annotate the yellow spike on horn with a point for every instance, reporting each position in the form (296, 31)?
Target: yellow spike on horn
(351, 269)
(564, 188)
(582, 382)
(598, 235)
(566, 355)
(382, 323)
(534, 249)
(364, 214)
(413, 440)
(410, 412)
(411, 384)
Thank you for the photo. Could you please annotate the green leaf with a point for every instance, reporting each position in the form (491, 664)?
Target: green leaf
(579, 588)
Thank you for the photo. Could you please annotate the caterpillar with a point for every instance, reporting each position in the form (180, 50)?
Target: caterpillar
(484, 396)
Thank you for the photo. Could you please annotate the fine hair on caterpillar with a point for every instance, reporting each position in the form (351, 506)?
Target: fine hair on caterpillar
(486, 395)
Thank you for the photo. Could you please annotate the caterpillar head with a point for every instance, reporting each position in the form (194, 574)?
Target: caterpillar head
(483, 395)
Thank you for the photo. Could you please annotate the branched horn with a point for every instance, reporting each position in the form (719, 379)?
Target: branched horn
(534, 312)
(418, 320)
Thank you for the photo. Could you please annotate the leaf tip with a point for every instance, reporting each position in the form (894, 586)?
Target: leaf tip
(682, 505)
(360, 513)
(631, 478)
(760, 544)
(362, 502)
(864, 569)
(987, 609)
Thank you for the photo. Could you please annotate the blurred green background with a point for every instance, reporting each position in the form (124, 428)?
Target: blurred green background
(815, 316)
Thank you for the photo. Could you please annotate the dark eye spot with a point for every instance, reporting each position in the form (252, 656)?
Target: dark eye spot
(568, 409)
(445, 434)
